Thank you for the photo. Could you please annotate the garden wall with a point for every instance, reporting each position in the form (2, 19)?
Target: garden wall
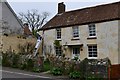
(115, 72)
(12, 42)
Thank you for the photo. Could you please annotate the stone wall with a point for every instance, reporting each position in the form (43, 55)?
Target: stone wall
(13, 42)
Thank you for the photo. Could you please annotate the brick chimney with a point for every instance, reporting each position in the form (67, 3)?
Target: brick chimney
(26, 29)
(61, 7)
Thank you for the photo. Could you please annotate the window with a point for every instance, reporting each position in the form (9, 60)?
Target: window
(75, 32)
(76, 51)
(92, 51)
(58, 33)
(92, 31)
(58, 51)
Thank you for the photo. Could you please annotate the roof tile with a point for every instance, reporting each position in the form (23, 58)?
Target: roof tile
(84, 16)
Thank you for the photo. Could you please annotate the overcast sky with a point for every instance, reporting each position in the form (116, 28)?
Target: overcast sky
(51, 5)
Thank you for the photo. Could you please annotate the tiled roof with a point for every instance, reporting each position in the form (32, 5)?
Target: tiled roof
(101, 13)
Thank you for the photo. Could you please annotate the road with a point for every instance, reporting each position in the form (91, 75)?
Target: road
(12, 74)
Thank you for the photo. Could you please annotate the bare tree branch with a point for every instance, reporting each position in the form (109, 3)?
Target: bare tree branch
(33, 18)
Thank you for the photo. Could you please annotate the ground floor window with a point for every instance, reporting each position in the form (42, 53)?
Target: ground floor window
(92, 51)
(76, 52)
(58, 51)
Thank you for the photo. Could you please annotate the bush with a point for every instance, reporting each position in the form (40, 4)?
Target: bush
(75, 75)
(46, 65)
(22, 66)
(15, 59)
(30, 64)
(36, 69)
(93, 77)
(56, 71)
(5, 61)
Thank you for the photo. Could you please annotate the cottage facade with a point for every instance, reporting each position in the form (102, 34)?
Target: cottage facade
(92, 32)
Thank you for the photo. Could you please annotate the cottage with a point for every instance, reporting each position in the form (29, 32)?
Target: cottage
(91, 32)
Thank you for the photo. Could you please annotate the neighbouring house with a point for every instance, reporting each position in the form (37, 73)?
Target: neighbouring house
(91, 32)
(10, 24)
(11, 30)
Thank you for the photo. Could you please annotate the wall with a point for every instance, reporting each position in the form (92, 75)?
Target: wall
(115, 72)
(119, 42)
(107, 40)
(13, 41)
(9, 17)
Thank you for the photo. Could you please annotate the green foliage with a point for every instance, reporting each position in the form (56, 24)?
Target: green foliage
(5, 60)
(15, 59)
(76, 58)
(75, 75)
(34, 32)
(57, 43)
(36, 69)
(46, 65)
(22, 66)
(30, 64)
(56, 71)
(93, 77)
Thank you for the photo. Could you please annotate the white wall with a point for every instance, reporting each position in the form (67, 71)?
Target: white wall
(107, 40)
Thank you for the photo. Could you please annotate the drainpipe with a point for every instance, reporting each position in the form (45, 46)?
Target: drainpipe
(43, 44)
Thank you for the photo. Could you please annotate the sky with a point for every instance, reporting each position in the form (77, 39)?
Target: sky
(51, 5)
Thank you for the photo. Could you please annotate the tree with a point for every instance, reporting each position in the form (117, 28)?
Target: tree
(34, 19)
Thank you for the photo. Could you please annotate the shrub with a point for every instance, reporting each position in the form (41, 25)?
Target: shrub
(5, 61)
(76, 58)
(36, 69)
(56, 71)
(22, 66)
(93, 77)
(46, 65)
(75, 75)
(15, 59)
(30, 64)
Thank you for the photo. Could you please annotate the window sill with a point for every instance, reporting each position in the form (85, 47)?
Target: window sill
(75, 39)
(92, 57)
(59, 39)
(94, 37)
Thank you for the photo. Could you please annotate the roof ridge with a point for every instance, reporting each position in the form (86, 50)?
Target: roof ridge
(106, 4)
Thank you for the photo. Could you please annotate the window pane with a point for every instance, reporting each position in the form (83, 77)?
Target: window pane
(58, 51)
(92, 51)
(92, 31)
(76, 50)
(75, 32)
(58, 31)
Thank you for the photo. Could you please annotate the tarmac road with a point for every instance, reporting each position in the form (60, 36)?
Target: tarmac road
(11, 74)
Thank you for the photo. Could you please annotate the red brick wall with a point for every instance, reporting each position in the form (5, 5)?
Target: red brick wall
(115, 72)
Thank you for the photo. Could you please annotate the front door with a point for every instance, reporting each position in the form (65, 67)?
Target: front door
(75, 52)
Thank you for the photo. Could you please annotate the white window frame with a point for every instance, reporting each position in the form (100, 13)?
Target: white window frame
(73, 54)
(92, 30)
(75, 32)
(93, 50)
(58, 51)
(58, 33)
